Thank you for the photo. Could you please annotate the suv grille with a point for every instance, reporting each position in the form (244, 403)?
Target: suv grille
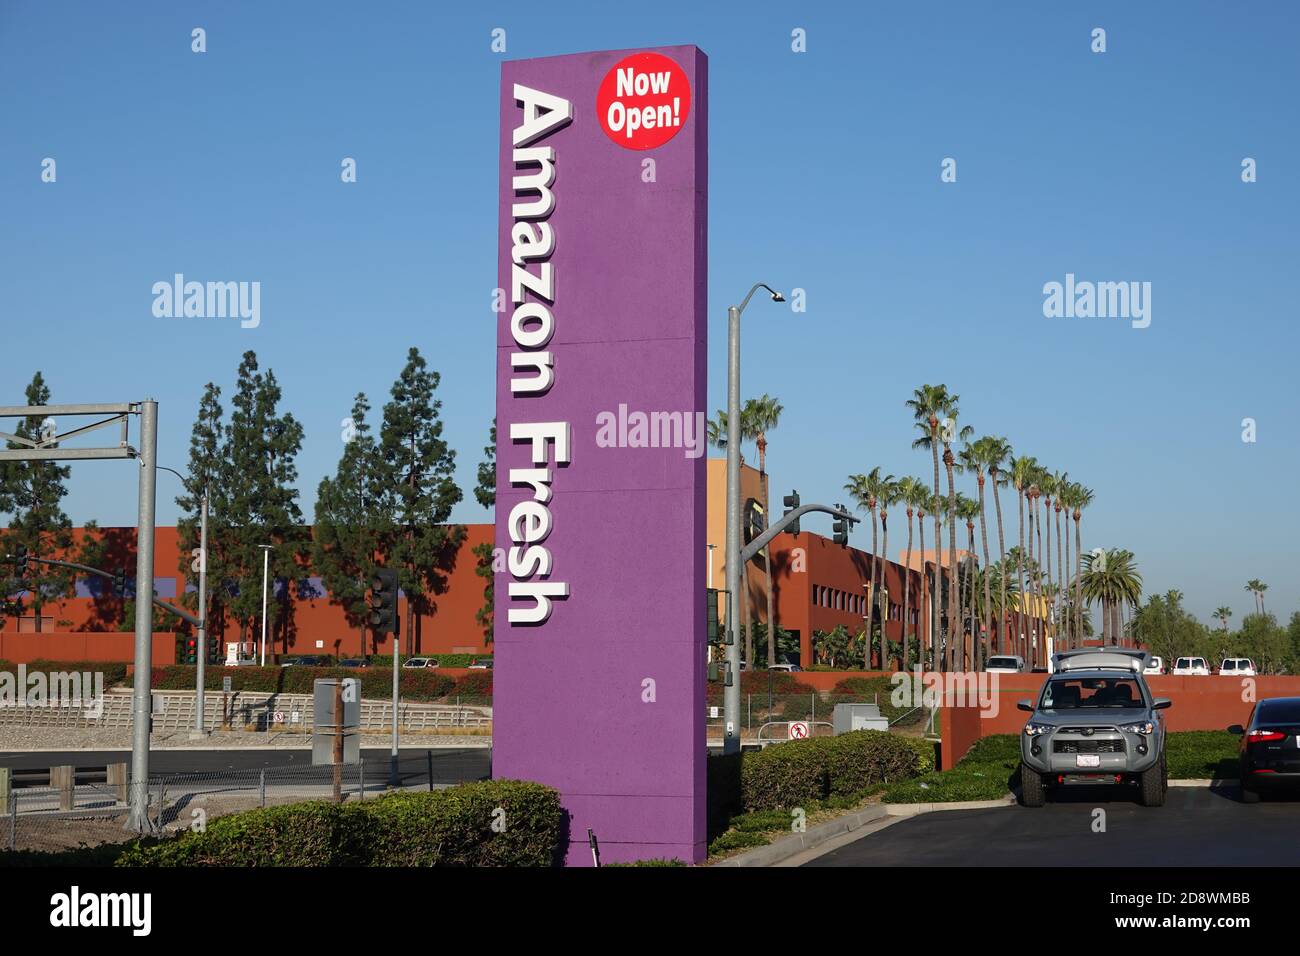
(1088, 746)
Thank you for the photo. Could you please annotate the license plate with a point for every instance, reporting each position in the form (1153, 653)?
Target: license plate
(1087, 760)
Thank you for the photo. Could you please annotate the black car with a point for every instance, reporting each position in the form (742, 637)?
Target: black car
(306, 660)
(1270, 747)
(354, 662)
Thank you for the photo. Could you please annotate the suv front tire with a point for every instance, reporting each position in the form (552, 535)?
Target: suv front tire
(1154, 783)
(1032, 791)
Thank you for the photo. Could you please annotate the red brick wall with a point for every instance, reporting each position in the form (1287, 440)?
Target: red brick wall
(82, 646)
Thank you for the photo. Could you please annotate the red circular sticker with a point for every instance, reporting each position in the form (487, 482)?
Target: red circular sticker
(643, 101)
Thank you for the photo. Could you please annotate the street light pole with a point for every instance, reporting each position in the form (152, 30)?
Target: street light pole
(731, 692)
(203, 613)
(266, 561)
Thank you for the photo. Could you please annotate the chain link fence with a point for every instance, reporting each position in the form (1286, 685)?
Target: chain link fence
(759, 712)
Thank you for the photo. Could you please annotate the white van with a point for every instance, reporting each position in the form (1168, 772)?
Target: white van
(1191, 667)
(1005, 664)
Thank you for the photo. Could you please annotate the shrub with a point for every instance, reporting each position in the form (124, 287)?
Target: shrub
(474, 684)
(791, 774)
(737, 840)
(452, 827)
(799, 773)
(926, 753)
(862, 759)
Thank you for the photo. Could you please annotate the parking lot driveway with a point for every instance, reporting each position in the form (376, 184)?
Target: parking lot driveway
(1195, 827)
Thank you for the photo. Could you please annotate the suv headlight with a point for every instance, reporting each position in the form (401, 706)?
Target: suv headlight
(1145, 727)
(1033, 730)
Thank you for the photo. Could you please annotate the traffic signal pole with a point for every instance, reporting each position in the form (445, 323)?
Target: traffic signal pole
(140, 708)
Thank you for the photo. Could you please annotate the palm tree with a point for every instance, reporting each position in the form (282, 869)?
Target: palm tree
(911, 492)
(929, 404)
(1257, 588)
(1223, 613)
(998, 451)
(949, 433)
(968, 510)
(1082, 499)
(763, 414)
(868, 490)
(1021, 478)
(889, 496)
(1111, 578)
(976, 458)
(1065, 496)
(1061, 485)
(1047, 485)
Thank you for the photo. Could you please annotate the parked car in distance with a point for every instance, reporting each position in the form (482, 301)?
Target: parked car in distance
(1191, 667)
(1270, 747)
(354, 662)
(786, 668)
(1005, 664)
(417, 662)
(481, 664)
(1237, 667)
(1155, 666)
(306, 660)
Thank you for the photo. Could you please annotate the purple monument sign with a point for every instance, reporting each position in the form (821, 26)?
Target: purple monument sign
(601, 347)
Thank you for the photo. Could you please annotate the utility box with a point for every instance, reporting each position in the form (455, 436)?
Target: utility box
(849, 717)
(325, 721)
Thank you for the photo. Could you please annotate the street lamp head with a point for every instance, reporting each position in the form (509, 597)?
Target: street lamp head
(777, 296)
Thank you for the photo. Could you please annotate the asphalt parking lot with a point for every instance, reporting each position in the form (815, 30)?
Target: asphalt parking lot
(1195, 827)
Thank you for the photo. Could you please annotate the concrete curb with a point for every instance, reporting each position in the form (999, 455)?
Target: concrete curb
(913, 809)
(1205, 782)
(814, 836)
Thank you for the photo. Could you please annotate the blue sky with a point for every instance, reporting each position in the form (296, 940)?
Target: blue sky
(824, 172)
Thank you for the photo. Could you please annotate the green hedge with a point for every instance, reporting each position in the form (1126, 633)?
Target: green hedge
(452, 827)
(800, 772)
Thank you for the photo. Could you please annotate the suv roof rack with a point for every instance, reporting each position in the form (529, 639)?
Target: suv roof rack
(1102, 658)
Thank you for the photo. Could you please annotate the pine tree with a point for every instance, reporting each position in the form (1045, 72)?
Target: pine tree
(486, 494)
(253, 499)
(206, 470)
(348, 524)
(31, 492)
(419, 491)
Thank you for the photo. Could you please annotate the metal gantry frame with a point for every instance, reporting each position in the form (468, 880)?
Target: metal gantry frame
(46, 448)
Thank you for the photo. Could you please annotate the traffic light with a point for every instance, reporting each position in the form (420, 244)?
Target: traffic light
(383, 602)
(20, 560)
(711, 603)
(214, 651)
(191, 650)
(791, 503)
(119, 582)
(840, 528)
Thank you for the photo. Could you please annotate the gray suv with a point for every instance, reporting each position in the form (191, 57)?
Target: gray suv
(1095, 722)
